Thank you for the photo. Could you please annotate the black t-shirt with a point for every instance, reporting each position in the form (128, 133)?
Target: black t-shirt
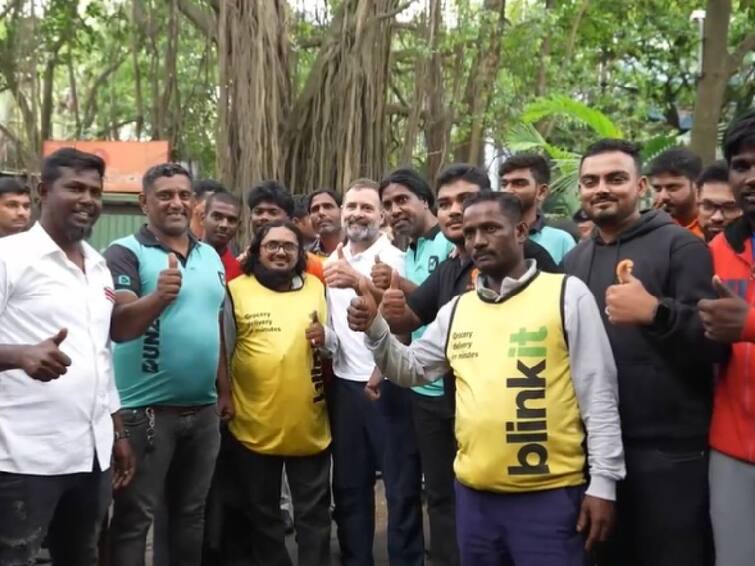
(451, 277)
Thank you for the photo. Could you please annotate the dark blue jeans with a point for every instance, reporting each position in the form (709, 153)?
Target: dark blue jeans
(175, 460)
(69, 508)
(538, 528)
(368, 436)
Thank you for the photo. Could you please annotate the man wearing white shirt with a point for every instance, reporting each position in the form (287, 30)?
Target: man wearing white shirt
(57, 392)
(362, 430)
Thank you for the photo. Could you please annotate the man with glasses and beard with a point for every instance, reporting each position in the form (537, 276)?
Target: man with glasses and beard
(282, 418)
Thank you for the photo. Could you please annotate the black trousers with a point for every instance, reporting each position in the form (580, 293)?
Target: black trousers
(70, 508)
(258, 479)
(663, 511)
(434, 424)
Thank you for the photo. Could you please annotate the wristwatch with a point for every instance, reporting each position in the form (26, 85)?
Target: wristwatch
(662, 314)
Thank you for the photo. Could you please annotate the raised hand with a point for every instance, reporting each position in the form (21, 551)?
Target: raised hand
(393, 306)
(630, 303)
(45, 361)
(363, 308)
(339, 273)
(315, 332)
(169, 281)
(381, 274)
(723, 318)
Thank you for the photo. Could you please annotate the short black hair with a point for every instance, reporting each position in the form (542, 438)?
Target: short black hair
(334, 195)
(410, 179)
(203, 186)
(610, 145)
(253, 257)
(222, 196)
(13, 186)
(301, 210)
(536, 163)
(716, 172)
(271, 191)
(163, 170)
(73, 158)
(580, 216)
(677, 161)
(739, 134)
(509, 204)
(463, 172)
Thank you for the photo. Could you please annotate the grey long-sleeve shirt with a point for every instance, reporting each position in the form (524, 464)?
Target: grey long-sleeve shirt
(593, 370)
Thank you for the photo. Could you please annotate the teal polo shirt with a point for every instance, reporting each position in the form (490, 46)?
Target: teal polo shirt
(558, 242)
(422, 257)
(176, 361)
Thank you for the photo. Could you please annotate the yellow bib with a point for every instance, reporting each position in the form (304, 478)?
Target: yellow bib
(279, 399)
(518, 424)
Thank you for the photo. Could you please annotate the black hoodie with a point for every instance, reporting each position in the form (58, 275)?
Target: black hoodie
(664, 370)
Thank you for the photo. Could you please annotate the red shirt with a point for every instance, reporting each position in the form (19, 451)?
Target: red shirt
(231, 265)
(732, 428)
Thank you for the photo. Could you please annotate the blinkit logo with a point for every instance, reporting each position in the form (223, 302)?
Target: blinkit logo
(530, 429)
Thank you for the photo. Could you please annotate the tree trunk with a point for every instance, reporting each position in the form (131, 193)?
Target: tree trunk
(713, 79)
(253, 47)
(337, 130)
(437, 120)
(718, 67)
(481, 81)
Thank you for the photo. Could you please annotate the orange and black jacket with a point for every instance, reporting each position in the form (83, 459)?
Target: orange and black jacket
(732, 429)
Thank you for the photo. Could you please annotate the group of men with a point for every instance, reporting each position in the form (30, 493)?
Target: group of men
(551, 403)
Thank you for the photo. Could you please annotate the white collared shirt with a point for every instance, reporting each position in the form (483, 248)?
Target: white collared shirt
(59, 426)
(352, 360)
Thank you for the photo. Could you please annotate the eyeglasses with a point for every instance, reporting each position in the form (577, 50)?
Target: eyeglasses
(274, 247)
(725, 208)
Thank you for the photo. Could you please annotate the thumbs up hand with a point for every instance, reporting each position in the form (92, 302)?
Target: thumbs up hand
(169, 281)
(381, 274)
(723, 318)
(315, 332)
(393, 305)
(339, 273)
(45, 361)
(630, 303)
(363, 308)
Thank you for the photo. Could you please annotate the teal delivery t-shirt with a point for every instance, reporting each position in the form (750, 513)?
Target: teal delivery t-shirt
(175, 362)
(422, 257)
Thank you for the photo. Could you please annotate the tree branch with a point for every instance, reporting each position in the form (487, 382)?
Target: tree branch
(745, 46)
(203, 20)
(92, 95)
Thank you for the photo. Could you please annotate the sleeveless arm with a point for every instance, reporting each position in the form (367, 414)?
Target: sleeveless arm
(422, 362)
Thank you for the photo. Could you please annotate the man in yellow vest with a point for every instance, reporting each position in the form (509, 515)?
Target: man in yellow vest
(534, 377)
(274, 338)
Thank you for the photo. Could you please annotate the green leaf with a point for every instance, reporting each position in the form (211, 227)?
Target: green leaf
(574, 111)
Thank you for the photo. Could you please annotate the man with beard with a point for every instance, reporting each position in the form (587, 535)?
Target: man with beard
(520, 467)
(15, 206)
(527, 176)
(672, 175)
(361, 428)
(324, 208)
(268, 201)
(220, 224)
(730, 319)
(663, 359)
(717, 205)
(281, 418)
(169, 369)
(56, 380)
